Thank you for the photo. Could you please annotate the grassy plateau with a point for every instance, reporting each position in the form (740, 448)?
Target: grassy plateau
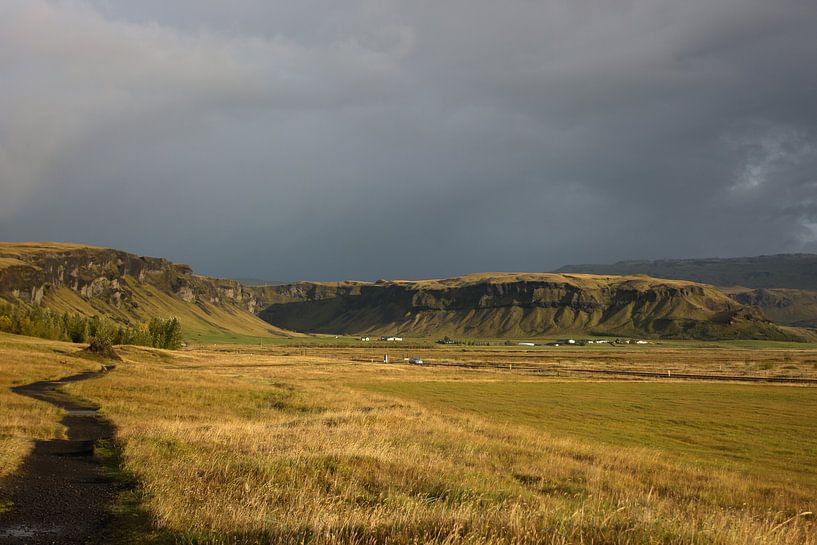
(314, 443)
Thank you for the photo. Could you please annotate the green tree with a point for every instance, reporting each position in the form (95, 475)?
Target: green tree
(6, 324)
(173, 334)
(42, 322)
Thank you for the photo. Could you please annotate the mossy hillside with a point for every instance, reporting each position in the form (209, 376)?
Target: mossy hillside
(783, 305)
(127, 288)
(514, 305)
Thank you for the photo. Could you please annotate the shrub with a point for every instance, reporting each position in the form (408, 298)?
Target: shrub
(45, 323)
(165, 333)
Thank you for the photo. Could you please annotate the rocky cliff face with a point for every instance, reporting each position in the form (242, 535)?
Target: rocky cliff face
(33, 272)
(128, 288)
(784, 306)
(132, 288)
(784, 286)
(520, 305)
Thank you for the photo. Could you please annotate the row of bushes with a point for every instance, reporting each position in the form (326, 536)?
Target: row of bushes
(47, 324)
(467, 342)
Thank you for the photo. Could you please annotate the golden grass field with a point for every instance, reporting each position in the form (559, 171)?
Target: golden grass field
(316, 444)
(24, 360)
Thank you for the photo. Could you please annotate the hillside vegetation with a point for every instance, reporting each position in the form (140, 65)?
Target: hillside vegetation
(784, 286)
(126, 288)
(520, 305)
(131, 290)
(39, 321)
(782, 305)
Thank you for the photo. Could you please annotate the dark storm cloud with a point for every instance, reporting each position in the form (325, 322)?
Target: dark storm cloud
(384, 138)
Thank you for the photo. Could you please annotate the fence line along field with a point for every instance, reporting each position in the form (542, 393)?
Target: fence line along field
(286, 444)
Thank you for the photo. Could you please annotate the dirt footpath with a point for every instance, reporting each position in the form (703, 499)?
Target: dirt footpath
(60, 494)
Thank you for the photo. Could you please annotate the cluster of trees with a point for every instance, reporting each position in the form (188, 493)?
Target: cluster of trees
(45, 323)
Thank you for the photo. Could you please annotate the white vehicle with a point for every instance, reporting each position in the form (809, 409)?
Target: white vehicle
(414, 360)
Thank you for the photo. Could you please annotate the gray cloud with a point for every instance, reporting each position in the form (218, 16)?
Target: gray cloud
(310, 139)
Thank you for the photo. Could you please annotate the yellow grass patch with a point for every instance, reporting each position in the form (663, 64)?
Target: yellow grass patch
(24, 360)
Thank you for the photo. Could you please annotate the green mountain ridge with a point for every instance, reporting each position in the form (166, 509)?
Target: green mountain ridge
(784, 286)
(782, 305)
(130, 288)
(127, 288)
(516, 305)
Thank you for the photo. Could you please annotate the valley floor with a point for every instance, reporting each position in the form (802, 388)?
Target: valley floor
(318, 444)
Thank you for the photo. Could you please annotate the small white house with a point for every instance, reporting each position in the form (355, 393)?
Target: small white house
(391, 339)
(365, 339)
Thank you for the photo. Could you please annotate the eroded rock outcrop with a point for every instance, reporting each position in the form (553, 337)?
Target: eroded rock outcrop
(108, 275)
(126, 287)
(130, 287)
(519, 305)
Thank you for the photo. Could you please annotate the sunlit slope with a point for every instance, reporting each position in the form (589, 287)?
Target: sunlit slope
(784, 286)
(131, 288)
(200, 320)
(782, 305)
(127, 288)
(521, 305)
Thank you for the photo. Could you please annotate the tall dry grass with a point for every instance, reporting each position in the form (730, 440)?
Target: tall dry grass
(248, 448)
(24, 360)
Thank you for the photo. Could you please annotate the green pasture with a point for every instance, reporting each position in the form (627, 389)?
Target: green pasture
(769, 431)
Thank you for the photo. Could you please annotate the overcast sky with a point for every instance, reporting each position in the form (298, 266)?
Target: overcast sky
(318, 139)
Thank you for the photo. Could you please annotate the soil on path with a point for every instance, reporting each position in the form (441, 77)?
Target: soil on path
(60, 494)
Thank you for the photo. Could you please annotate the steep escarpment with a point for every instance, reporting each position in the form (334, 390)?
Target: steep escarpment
(126, 287)
(784, 286)
(520, 305)
(782, 305)
(131, 288)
